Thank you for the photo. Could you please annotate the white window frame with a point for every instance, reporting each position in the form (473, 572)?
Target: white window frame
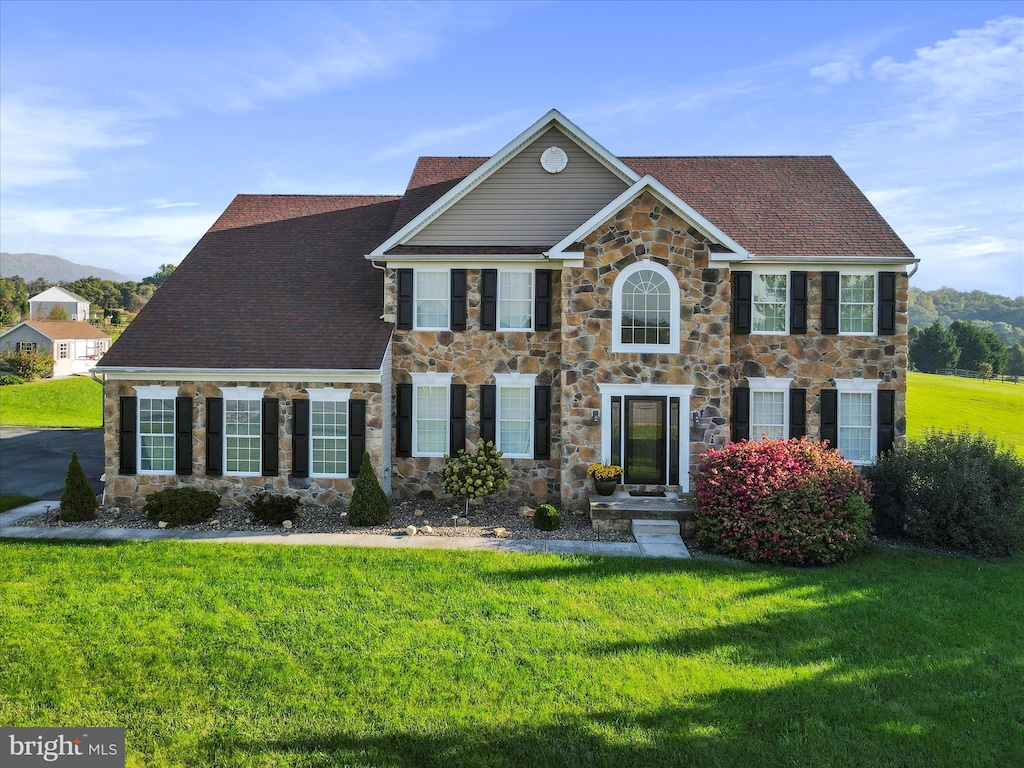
(673, 343)
(874, 304)
(502, 276)
(431, 379)
(514, 381)
(155, 392)
(63, 350)
(249, 394)
(858, 386)
(416, 283)
(328, 395)
(26, 346)
(755, 281)
(770, 384)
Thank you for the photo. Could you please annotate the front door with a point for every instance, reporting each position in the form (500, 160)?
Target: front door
(645, 440)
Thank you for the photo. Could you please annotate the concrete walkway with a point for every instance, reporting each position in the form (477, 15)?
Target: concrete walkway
(77, 533)
(660, 538)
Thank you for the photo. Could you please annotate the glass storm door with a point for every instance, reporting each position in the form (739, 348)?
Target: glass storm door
(645, 440)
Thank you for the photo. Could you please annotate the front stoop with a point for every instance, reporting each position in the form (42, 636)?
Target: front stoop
(659, 538)
(617, 512)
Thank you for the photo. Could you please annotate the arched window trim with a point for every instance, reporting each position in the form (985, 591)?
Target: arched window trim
(620, 281)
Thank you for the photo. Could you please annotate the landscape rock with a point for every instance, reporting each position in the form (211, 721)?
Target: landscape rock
(525, 511)
(463, 521)
(427, 530)
(411, 530)
(499, 532)
(286, 524)
(162, 524)
(418, 512)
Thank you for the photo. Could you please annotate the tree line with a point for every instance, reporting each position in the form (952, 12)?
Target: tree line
(106, 297)
(964, 345)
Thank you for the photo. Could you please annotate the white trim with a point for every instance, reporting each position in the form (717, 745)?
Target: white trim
(554, 118)
(858, 386)
(683, 391)
(431, 379)
(328, 394)
(155, 392)
(515, 380)
(874, 304)
(809, 263)
(247, 394)
(763, 272)
(243, 393)
(532, 272)
(357, 376)
(774, 385)
(618, 345)
(447, 272)
(664, 195)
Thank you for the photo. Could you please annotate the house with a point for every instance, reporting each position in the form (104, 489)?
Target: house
(571, 305)
(76, 346)
(42, 304)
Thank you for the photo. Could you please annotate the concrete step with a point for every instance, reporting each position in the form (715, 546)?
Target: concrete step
(655, 527)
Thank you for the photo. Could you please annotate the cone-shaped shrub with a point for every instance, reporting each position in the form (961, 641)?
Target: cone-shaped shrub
(547, 518)
(78, 502)
(781, 501)
(369, 505)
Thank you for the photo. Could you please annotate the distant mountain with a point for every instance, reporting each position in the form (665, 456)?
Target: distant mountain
(29, 266)
(1003, 315)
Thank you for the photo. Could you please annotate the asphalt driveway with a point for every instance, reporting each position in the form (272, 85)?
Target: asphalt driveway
(34, 462)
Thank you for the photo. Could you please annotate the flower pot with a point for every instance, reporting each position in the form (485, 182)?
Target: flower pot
(605, 487)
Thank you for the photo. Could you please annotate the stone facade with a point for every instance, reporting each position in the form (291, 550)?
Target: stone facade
(131, 490)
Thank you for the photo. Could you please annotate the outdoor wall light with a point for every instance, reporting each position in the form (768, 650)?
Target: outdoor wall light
(696, 416)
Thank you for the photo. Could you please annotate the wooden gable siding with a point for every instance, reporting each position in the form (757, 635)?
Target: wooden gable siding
(522, 204)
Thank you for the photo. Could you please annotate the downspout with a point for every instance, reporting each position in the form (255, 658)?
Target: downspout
(912, 272)
(383, 287)
(103, 412)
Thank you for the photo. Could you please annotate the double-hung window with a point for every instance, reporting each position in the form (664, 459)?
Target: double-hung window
(857, 303)
(431, 400)
(515, 414)
(242, 422)
(156, 429)
(328, 432)
(856, 419)
(769, 303)
(432, 288)
(769, 408)
(515, 300)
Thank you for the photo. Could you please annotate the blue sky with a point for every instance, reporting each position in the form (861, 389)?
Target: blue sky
(126, 128)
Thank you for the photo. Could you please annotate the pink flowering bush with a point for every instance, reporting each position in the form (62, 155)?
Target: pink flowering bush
(793, 502)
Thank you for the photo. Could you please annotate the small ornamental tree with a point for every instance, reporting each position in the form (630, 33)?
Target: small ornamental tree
(474, 475)
(792, 502)
(59, 313)
(78, 502)
(369, 505)
(27, 364)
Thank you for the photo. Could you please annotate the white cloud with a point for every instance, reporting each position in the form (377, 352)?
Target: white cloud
(160, 204)
(839, 71)
(436, 139)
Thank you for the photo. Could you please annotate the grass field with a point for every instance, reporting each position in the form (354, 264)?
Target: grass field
(13, 501)
(75, 402)
(951, 403)
(248, 655)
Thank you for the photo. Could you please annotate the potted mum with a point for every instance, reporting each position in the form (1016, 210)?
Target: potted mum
(606, 477)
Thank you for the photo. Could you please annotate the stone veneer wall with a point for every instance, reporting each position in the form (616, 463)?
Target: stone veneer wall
(815, 361)
(643, 229)
(473, 357)
(131, 490)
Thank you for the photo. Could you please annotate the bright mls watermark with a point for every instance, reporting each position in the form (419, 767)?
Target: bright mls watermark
(78, 747)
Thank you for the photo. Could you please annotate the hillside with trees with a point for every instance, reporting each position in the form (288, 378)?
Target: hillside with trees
(1000, 314)
(52, 268)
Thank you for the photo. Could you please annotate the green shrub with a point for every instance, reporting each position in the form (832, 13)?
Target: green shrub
(182, 506)
(473, 475)
(369, 505)
(27, 365)
(9, 378)
(952, 490)
(78, 502)
(547, 518)
(781, 501)
(269, 509)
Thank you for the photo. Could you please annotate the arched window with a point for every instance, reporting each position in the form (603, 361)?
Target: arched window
(645, 316)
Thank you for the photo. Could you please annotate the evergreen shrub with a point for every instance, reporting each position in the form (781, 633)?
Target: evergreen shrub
(182, 506)
(77, 502)
(270, 509)
(369, 505)
(547, 518)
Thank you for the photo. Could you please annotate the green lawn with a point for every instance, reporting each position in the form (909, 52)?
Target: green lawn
(75, 402)
(13, 501)
(248, 655)
(951, 403)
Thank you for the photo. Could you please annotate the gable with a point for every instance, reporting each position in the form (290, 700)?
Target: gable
(58, 295)
(521, 204)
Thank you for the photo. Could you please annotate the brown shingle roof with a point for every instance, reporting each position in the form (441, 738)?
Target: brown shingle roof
(772, 206)
(278, 282)
(67, 329)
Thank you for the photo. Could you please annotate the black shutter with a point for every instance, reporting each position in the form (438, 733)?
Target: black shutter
(356, 435)
(740, 414)
(269, 436)
(214, 435)
(886, 303)
(797, 412)
(742, 296)
(886, 420)
(129, 435)
(458, 419)
(488, 410)
(404, 419)
(542, 303)
(405, 299)
(830, 417)
(300, 438)
(458, 305)
(798, 302)
(183, 435)
(830, 302)
(541, 422)
(489, 300)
